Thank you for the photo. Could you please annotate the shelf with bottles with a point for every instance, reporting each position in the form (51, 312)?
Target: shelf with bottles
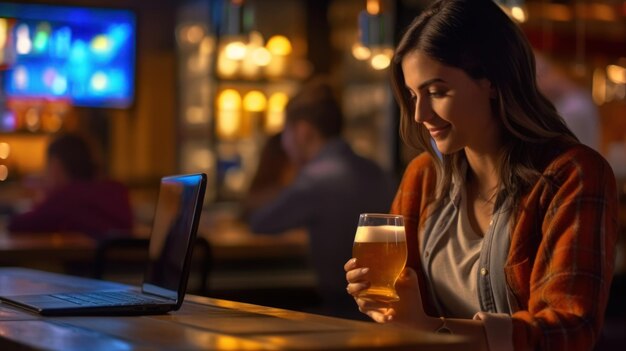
(223, 138)
(21, 153)
(27, 116)
(26, 125)
(245, 116)
(237, 69)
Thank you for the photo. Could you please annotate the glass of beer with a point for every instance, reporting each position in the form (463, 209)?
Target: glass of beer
(380, 245)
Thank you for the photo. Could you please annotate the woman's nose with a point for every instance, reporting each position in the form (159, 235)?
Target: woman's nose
(416, 113)
(422, 111)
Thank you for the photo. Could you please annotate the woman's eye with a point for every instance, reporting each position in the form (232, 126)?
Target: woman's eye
(435, 93)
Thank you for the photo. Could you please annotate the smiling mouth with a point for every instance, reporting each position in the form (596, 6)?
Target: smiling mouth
(438, 131)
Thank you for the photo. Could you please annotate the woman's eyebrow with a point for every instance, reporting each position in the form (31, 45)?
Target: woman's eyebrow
(429, 82)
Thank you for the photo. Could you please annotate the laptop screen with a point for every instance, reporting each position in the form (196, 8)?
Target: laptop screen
(173, 234)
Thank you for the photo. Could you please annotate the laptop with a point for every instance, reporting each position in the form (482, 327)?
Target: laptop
(174, 231)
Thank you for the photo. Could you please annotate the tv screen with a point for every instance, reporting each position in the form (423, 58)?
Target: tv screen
(83, 54)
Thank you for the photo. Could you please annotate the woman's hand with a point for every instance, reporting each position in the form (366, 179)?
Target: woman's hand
(407, 311)
(357, 282)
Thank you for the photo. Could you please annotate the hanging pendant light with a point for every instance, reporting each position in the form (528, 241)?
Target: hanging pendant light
(374, 36)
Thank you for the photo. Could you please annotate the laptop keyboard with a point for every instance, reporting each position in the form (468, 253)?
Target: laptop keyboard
(104, 298)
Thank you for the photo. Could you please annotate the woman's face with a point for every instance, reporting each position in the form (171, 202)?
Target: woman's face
(56, 176)
(455, 108)
(294, 141)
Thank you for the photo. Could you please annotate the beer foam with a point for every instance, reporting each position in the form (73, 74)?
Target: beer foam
(379, 233)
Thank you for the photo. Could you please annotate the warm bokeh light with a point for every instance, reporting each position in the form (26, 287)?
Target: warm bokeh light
(4, 173)
(277, 67)
(361, 52)
(193, 34)
(235, 50)
(275, 119)
(380, 61)
(4, 27)
(254, 101)
(278, 101)
(5, 151)
(229, 99)
(249, 68)
(616, 74)
(4, 24)
(32, 119)
(255, 39)
(598, 87)
(261, 56)
(228, 123)
(207, 46)
(519, 14)
(373, 7)
(228, 113)
(226, 67)
(279, 45)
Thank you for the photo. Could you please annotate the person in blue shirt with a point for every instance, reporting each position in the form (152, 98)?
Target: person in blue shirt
(332, 187)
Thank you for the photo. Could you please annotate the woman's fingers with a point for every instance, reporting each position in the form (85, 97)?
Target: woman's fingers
(371, 305)
(357, 282)
(355, 288)
(357, 275)
(350, 265)
(377, 316)
(380, 313)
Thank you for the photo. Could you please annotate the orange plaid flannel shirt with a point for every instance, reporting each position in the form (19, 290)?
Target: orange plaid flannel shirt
(561, 259)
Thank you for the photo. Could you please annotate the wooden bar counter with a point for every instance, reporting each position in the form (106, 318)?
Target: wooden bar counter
(201, 324)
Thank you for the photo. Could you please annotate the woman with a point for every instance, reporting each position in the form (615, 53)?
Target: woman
(274, 173)
(511, 231)
(75, 196)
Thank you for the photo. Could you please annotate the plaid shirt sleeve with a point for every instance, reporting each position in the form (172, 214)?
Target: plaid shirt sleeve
(561, 260)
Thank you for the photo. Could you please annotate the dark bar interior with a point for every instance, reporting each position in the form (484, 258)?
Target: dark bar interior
(168, 87)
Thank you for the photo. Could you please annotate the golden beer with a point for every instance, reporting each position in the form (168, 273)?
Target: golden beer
(382, 249)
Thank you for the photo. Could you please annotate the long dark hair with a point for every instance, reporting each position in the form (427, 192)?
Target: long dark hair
(477, 37)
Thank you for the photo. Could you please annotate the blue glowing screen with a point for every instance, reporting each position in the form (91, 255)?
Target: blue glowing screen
(83, 54)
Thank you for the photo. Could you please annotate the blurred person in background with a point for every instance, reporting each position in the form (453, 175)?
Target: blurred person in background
(332, 187)
(75, 196)
(572, 101)
(275, 172)
(511, 233)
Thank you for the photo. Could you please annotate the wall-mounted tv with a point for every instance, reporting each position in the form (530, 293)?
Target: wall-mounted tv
(83, 54)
